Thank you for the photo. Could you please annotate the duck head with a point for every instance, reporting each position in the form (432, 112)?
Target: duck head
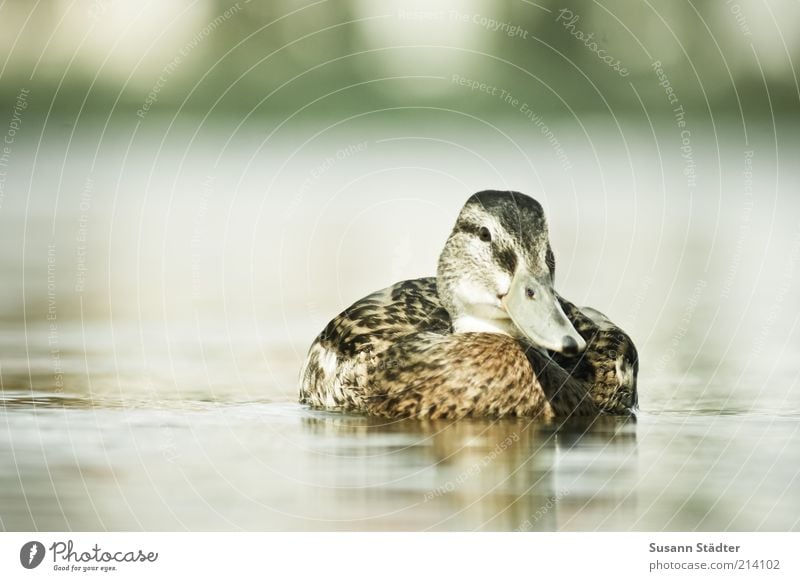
(496, 273)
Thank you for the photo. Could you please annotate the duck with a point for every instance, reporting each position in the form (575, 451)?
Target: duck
(488, 336)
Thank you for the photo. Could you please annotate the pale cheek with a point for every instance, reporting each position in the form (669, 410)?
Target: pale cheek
(471, 293)
(503, 283)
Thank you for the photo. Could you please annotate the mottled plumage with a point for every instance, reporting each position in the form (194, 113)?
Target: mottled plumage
(449, 347)
(610, 363)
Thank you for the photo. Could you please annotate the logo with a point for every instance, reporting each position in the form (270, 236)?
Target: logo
(31, 554)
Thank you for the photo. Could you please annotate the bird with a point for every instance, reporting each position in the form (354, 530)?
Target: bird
(488, 336)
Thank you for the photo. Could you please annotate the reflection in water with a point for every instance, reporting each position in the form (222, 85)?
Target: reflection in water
(476, 474)
(162, 397)
(75, 463)
(79, 463)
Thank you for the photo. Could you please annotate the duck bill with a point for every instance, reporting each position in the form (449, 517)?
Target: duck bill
(533, 307)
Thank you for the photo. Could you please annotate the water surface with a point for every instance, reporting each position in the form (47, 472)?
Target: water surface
(157, 305)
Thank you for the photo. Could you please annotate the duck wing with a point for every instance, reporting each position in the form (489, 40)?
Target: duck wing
(610, 363)
(337, 370)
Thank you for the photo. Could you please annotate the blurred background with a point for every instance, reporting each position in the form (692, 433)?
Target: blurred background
(95, 57)
(190, 190)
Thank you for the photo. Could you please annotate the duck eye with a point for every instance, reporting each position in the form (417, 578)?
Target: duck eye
(484, 234)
